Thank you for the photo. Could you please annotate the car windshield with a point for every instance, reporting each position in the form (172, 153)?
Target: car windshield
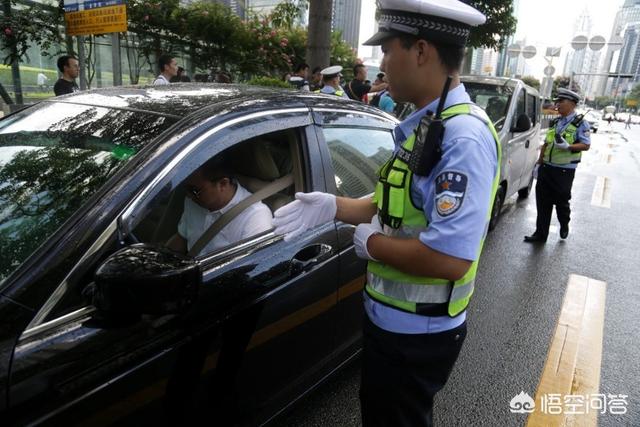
(494, 99)
(55, 156)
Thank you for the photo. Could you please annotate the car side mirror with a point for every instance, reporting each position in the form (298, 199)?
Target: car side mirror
(145, 279)
(523, 124)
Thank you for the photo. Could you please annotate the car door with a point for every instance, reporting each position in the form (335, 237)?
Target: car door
(533, 139)
(78, 366)
(277, 297)
(517, 145)
(354, 145)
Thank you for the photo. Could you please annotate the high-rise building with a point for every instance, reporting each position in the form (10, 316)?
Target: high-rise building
(346, 18)
(261, 7)
(239, 7)
(626, 19)
(484, 62)
(585, 61)
(504, 59)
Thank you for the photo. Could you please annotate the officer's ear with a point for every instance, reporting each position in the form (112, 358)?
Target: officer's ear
(424, 51)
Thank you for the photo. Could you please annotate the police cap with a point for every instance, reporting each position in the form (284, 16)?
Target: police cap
(331, 72)
(568, 94)
(444, 21)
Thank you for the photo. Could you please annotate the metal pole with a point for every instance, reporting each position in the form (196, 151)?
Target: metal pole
(116, 59)
(81, 62)
(571, 81)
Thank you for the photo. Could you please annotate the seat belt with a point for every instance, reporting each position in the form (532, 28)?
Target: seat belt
(269, 190)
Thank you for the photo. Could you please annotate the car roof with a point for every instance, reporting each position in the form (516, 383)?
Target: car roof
(183, 99)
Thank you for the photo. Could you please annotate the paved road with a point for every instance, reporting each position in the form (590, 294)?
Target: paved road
(519, 293)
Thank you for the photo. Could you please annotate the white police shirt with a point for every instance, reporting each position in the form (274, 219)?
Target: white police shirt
(329, 90)
(469, 163)
(196, 220)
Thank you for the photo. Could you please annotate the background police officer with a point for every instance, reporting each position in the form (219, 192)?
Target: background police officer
(422, 232)
(566, 139)
(331, 80)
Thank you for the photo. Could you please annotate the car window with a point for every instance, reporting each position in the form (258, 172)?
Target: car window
(356, 155)
(532, 108)
(53, 158)
(212, 188)
(494, 99)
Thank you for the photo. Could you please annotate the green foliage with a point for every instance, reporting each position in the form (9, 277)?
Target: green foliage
(500, 24)
(269, 82)
(25, 26)
(602, 101)
(563, 82)
(531, 81)
(286, 12)
(634, 95)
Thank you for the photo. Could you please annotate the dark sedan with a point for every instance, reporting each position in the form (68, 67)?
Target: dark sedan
(102, 324)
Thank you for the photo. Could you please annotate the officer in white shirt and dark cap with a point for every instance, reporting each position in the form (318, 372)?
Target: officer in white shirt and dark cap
(423, 230)
(331, 80)
(567, 137)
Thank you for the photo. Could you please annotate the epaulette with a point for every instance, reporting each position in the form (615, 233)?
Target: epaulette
(577, 120)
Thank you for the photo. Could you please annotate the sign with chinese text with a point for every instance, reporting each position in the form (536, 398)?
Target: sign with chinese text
(84, 18)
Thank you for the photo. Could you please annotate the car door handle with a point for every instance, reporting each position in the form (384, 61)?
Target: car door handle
(526, 144)
(310, 256)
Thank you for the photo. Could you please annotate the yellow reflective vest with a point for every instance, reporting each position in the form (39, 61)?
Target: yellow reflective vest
(401, 218)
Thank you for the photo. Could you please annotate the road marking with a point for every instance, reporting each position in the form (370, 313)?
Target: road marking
(575, 355)
(601, 196)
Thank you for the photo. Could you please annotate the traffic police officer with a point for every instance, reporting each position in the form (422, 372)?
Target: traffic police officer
(566, 139)
(331, 80)
(423, 230)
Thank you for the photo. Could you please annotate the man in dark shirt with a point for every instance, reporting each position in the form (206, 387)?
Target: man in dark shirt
(70, 68)
(358, 88)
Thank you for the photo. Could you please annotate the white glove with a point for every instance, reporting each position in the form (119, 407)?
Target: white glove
(564, 145)
(362, 234)
(535, 170)
(307, 211)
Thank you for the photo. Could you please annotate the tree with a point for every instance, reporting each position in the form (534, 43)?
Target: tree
(319, 33)
(531, 81)
(23, 26)
(500, 24)
(563, 82)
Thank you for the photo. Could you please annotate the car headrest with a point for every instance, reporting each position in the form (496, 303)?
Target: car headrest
(255, 159)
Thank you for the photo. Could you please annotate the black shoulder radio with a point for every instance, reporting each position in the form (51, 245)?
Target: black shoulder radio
(427, 148)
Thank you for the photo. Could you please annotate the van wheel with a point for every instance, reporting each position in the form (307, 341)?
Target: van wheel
(523, 193)
(497, 207)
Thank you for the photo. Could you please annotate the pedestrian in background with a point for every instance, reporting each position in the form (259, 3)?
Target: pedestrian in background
(358, 88)
(300, 77)
(42, 81)
(627, 123)
(316, 79)
(422, 232)
(181, 76)
(567, 138)
(70, 68)
(168, 70)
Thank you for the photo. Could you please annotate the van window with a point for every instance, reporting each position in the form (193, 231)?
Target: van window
(494, 99)
(520, 107)
(532, 108)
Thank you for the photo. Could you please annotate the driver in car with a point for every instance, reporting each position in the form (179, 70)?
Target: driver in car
(212, 190)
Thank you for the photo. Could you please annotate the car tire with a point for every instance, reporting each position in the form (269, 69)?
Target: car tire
(523, 193)
(497, 207)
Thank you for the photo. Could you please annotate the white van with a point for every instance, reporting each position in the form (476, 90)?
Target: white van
(514, 109)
